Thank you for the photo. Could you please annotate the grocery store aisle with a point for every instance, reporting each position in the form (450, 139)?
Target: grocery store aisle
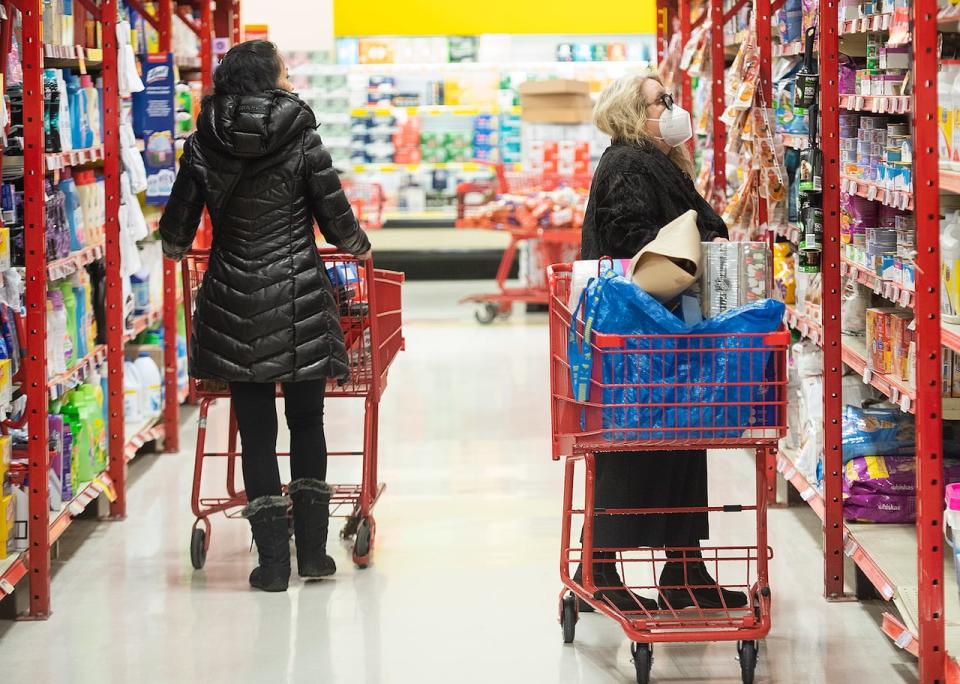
(464, 584)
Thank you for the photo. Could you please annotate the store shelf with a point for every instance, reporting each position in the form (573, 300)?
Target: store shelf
(58, 385)
(797, 142)
(806, 325)
(869, 24)
(950, 181)
(72, 57)
(877, 104)
(62, 160)
(142, 323)
(423, 166)
(898, 199)
(433, 110)
(137, 435)
(887, 555)
(792, 49)
(788, 231)
(428, 67)
(855, 356)
(62, 268)
(13, 568)
(886, 289)
(101, 484)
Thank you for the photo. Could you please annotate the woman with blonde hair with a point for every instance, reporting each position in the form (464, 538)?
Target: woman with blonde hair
(643, 182)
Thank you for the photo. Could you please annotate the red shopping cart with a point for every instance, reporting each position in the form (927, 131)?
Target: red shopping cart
(370, 316)
(555, 233)
(664, 393)
(366, 199)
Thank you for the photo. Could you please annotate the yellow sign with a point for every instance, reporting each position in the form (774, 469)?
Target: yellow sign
(444, 18)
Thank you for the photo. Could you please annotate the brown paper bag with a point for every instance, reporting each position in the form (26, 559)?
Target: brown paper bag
(670, 264)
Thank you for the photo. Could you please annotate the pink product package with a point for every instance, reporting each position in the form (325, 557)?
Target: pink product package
(848, 75)
(889, 475)
(879, 508)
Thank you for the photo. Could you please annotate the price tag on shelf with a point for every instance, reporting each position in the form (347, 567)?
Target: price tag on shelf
(904, 201)
(851, 548)
(894, 394)
(877, 286)
(75, 507)
(887, 289)
(872, 192)
(808, 493)
(844, 268)
(867, 376)
(789, 473)
(81, 62)
(815, 336)
(98, 485)
(913, 325)
(804, 329)
(905, 403)
(885, 25)
(844, 185)
(6, 587)
(905, 298)
(905, 637)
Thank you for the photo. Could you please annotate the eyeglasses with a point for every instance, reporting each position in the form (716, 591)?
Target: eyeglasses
(666, 99)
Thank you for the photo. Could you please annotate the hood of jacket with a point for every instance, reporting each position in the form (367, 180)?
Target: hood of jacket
(255, 125)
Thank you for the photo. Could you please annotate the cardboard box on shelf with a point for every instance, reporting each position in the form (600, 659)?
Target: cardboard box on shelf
(556, 101)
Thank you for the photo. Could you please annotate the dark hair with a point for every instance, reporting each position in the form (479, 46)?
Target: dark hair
(250, 67)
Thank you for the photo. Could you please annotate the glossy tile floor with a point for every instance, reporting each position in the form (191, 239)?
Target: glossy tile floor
(464, 584)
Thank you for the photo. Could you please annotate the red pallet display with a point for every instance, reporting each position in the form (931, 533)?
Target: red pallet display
(926, 638)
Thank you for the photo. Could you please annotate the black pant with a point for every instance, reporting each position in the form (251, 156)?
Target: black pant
(254, 404)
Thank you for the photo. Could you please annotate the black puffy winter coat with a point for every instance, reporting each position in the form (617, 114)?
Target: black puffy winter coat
(636, 191)
(265, 312)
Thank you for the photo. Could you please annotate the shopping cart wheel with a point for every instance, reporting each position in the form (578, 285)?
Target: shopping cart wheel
(487, 313)
(568, 617)
(748, 660)
(363, 543)
(198, 547)
(642, 661)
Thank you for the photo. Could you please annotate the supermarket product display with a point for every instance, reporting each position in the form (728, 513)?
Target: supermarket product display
(104, 284)
(853, 261)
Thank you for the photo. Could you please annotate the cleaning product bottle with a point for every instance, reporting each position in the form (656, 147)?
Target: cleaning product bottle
(152, 386)
(140, 282)
(73, 209)
(93, 109)
(85, 455)
(950, 269)
(79, 120)
(71, 322)
(51, 97)
(80, 296)
(131, 394)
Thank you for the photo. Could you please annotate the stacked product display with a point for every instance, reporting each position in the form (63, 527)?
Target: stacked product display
(872, 303)
(109, 299)
(421, 116)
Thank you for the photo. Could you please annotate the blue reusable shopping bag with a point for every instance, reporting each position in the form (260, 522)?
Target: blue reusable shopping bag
(654, 388)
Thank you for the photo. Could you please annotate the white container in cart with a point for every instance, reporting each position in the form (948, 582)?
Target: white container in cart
(952, 529)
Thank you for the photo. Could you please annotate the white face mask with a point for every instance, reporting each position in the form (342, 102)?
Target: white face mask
(675, 126)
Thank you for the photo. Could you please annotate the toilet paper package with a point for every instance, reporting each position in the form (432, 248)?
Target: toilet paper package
(734, 274)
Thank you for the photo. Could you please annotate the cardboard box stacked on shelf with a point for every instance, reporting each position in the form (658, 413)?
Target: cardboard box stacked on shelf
(559, 101)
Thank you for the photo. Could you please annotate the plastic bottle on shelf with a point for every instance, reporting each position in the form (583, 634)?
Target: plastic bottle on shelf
(70, 320)
(51, 116)
(56, 333)
(79, 118)
(80, 295)
(93, 109)
(140, 283)
(132, 394)
(151, 384)
(73, 210)
(949, 265)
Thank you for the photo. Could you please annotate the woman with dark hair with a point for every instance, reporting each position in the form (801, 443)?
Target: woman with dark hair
(266, 313)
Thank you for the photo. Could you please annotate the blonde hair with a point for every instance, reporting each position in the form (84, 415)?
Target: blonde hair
(621, 113)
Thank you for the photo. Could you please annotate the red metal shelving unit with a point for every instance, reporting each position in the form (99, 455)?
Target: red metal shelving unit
(923, 634)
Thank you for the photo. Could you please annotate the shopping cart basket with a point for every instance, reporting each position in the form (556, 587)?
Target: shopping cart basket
(366, 199)
(553, 242)
(664, 393)
(370, 316)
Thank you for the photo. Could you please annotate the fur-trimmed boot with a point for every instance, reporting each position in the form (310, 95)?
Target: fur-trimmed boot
(311, 520)
(268, 520)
